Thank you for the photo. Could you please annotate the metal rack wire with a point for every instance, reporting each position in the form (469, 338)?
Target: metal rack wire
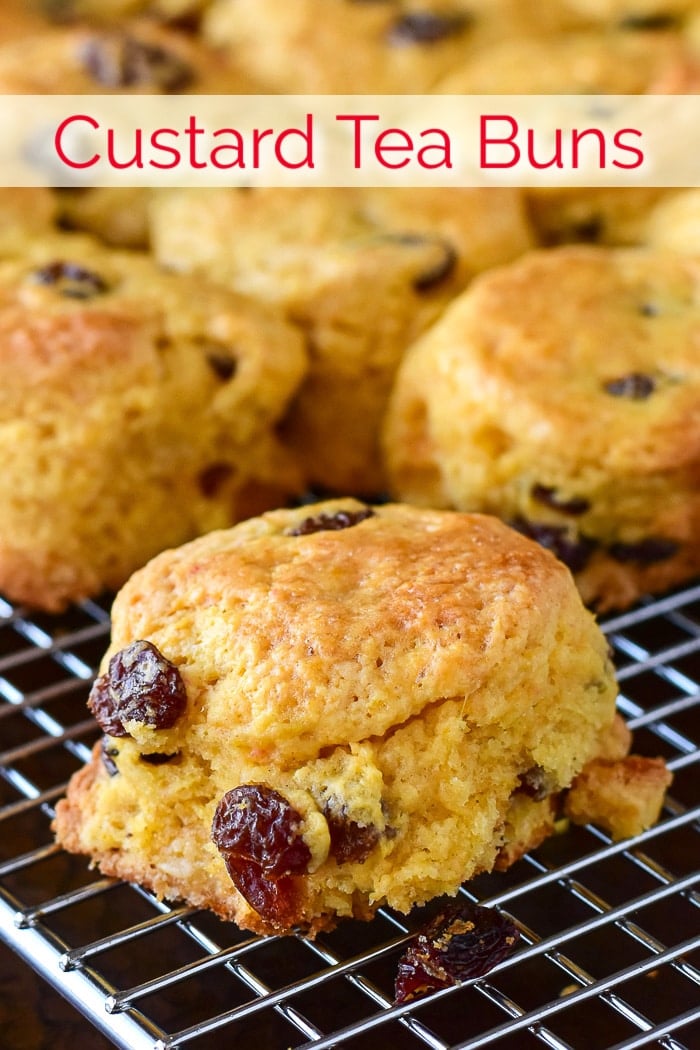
(610, 932)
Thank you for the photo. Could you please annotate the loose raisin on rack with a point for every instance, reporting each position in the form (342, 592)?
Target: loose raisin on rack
(647, 552)
(636, 386)
(427, 27)
(350, 841)
(572, 549)
(108, 753)
(117, 60)
(575, 505)
(343, 519)
(140, 686)
(70, 279)
(463, 941)
(258, 833)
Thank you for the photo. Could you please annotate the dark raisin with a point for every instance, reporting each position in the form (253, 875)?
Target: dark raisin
(649, 310)
(342, 519)
(571, 548)
(535, 783)
(109, 752)
(648, 23)
(140, 686)
(117, 60)
(646, 552)
(258, 833)
(436, 272)
(427, 27)
(222, 363)
(158, 758)
(213, 478)
(70, 280)
(350, 841)
(463, 941)
(636, 386)
(575, 505)
(103, 705)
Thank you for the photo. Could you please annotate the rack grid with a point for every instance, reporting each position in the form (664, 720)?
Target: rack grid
(609, 953)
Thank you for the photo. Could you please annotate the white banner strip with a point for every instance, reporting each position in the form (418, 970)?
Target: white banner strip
(353, 140)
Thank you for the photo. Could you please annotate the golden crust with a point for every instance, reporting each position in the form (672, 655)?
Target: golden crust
(582, 419)
(362, 273)
(139, 57)
(403, 673)
(102, 379)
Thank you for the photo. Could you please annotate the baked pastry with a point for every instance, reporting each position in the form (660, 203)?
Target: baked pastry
(611, 215)
(362, 273)
(333, 707)
(137, 57)
(137, 410)
(332, 46)
(117, 215)
(563, 394)
(622, 62)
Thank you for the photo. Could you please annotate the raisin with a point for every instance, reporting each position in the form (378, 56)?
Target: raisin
(140, 686)
(103, 705)
(436, 272)
(71, 280)
(648, 23)
(535, 783)
(222, 363)
(108, 753)
(342, 519)
(646, 552)
(117, 60)
(649, 310)
(574, 550)
(464, 940)
(427, 27)
(350, 841)
(575, 505)
(258, 833)
(213, 478)
(636, 386)
(158, 758)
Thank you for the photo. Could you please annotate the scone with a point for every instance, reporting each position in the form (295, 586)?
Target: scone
(563, 394)
(137, 57)
(362, 273)
(330, 708)
(137, 410)
(614, 216)
(341, 46)
(587, 62)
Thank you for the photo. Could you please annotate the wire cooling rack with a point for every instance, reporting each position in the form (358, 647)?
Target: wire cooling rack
(610, 932)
